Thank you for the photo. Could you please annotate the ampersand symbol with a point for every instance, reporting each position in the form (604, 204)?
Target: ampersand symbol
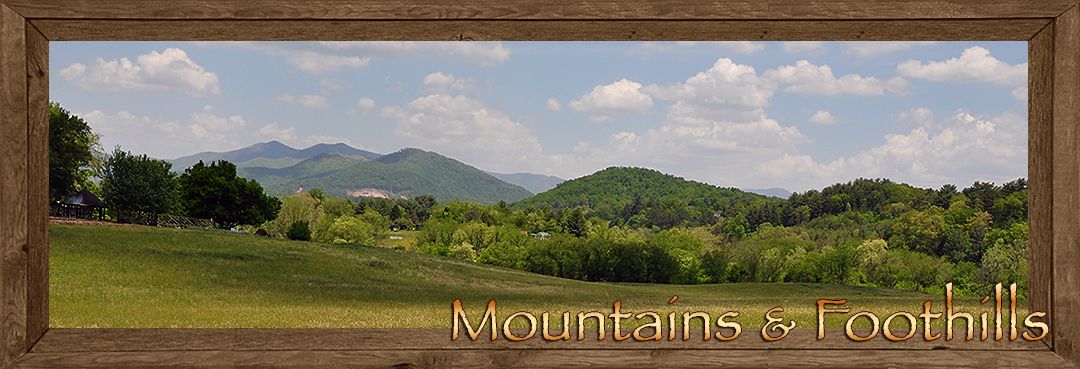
(779, 325)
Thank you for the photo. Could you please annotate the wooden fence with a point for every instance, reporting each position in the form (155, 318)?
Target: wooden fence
(164, 220)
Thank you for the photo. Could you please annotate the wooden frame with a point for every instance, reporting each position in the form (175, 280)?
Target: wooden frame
(1051, 27)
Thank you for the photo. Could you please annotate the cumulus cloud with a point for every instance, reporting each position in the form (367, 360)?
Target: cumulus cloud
(366, 103)
(444, 83)
(329, 56)
(308, 101)
(823, 117)
(806, 78)
(468, 130)
(1020, 93)
(604, 101)
(955, 150)
(319, 63)
(162, 138)
(870, 48)
(725, 84)
(742, 47)
(715, 130)
(206, 119)
(167, 72)
(289, 136)
(331, 83)
(974, 65)
(794, 47)
(553, 104)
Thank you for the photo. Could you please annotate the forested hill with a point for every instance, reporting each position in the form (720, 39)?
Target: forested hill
(639, 196)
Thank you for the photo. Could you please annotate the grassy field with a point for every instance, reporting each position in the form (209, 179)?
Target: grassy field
(103, 276)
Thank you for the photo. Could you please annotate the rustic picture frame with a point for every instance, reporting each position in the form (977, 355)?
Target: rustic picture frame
(1051, 28)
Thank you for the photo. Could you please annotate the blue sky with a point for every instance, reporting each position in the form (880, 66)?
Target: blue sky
(797, 115)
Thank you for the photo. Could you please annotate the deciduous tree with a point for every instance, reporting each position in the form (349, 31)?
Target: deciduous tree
(72, 148)
(215, 192)
(138, 183)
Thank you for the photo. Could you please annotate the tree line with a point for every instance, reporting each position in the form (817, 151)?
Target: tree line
(138, 183)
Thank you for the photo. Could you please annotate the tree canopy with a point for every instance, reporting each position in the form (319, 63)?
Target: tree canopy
(215, 192)
(138, 183)
(72, 147)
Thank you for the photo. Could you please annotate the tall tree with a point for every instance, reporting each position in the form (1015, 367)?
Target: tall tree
(574, 223)
(72, 147)
(215, 192)
(138, 183)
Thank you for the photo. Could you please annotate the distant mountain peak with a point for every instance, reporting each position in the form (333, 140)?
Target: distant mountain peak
(402, 154)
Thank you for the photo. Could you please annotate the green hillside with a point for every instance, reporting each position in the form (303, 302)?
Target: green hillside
(317, 166)
(409, 172)
(630, 191)
(269, 163)
(104, 276)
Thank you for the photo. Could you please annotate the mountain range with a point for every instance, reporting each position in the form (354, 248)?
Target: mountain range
(268, 152)
(344, 171)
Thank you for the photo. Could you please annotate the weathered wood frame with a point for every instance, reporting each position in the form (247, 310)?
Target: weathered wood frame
(1051, 27)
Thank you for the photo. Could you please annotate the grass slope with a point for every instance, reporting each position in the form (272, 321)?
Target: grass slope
(159, 277)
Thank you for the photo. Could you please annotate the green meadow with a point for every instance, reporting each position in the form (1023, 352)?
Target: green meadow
(103, 276)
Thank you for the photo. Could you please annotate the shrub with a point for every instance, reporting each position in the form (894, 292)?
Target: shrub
(299, 231)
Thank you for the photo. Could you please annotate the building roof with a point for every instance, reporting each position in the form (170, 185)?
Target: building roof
(86, 198)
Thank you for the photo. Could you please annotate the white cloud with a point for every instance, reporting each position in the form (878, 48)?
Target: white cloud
(806, 78)
(308, 101)
(956, 150)
(794, 47)
(716, 130)
(318, 63)
(443, 83)
(553, 104)
(288, 136)
(649, 47)
(486, 53)
(470, 131)
(621, 97)
(161, 138)
(974, 65)
(366, 103)
(331, 83)
(1020, 93)
(870, 48)
(725, 84)
(330, 56)
(207, 119)
(743, 47)
(166, 72)
(822, 117)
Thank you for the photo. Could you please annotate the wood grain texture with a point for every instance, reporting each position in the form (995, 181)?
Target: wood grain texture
(562, 30)
(37, 267)
(13, 185)
(548, 359)
(917, 9)
(1040, 171)
(61, 340)
(527, 9)
(1066, 217)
